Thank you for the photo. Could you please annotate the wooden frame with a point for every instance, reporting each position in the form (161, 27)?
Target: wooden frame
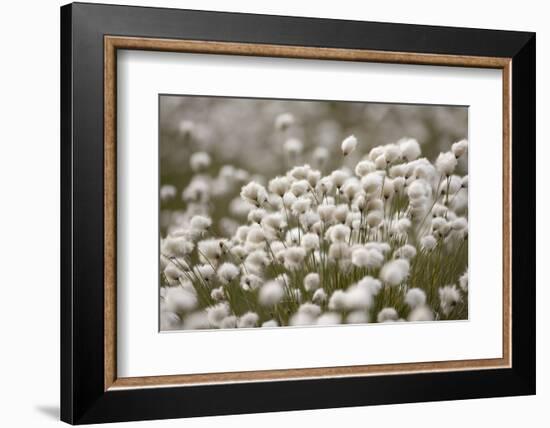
(511, 52)
(112, 43)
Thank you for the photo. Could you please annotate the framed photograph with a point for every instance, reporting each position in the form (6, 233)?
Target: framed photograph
(266, 213)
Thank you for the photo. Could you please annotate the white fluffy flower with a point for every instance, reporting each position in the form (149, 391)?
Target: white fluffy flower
(320, 155)
(418, 189)
(339, 177)
(459, 148)
(251, 282)
(169, 321)
(176, 246)
(274, 221)
(279, 185)
(421, 313)
(310, 309)
(449, 297)
(324, 185)
(410, 149)
(357, 317)
(256, 234)
(360, 257)
(258, 258)
(200, 161)
(329, 318)
(217, 294)
(178, 299)
(373, 285)
(300, 205)
(364, 167)
(387, 315)
(349, 145)
(339, 251)
(446, 163)
(248, 320)
(217, 313)
(294, 257)
(301, 318)
(167, 192)
(463, 281)
(206, 272)
(229, 322)
(372, 182)
(254, 193)
(270, 323)
(338, 301)
(325, 212)
(415, 297)
(392, 152)
(340, 213)
(381, 162)
(293, 146)
(310, 242)
(271, 293)
(201, 222)
(227, 272)
(320, 296)
(351, 188)
(256, 215)
(459, 224)
(284, 121)
(210, 250)
(312, 281)
(403, 225)
(196, 320)
(339, 233)
(375, 218)
(358, 296)
(395, 271)
(407, 251)
(428, 242)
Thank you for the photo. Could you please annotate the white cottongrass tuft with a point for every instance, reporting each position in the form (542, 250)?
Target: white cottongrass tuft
(312, 281)
(329, 318)
(415, 297)
(271, 293)
(200, 161)
(284, 121)
(395, 272)
(248, 320)
(217, 313)
(319, 296)
(463, 281)
(254, 193)
(421, 313)
(460, 148)
(357, 317)
(349, 145)
(387, 315)
(201, 223)
(446, 163)
(449, 297)
(179, 300)
(410, 149)
(428, 243)
(293, 147)
(227, 272)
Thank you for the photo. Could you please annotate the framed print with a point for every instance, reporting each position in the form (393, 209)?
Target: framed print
(273, 213)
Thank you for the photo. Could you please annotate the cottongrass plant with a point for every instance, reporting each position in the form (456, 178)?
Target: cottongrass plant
(386, 241)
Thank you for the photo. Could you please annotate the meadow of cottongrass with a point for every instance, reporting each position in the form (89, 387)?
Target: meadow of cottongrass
(384, 239)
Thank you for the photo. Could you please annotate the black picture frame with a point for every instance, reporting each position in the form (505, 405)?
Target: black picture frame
(83, 398)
